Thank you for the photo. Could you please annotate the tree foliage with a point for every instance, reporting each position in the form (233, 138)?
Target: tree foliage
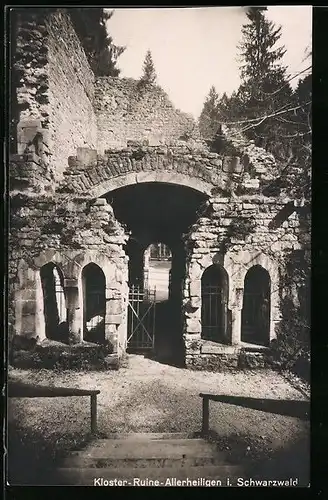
(209, 120)
(264, 107)
(265, 88)
(148, 71)
(102, 53)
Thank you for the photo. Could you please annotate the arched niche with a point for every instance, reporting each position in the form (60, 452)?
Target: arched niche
(54, 303)
(214, 311)
(255, 322)
(94, 303)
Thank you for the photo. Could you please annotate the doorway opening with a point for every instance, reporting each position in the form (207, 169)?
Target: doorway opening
(54, 303)
(215, 294)
(94, 303)
(256, 307)
(157, 216)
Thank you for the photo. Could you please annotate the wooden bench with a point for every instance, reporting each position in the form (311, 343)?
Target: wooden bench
(20, 390)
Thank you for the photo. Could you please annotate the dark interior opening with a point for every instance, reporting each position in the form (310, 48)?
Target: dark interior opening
(54, 303)
(256, 307)
(94, 303)
(215, 294)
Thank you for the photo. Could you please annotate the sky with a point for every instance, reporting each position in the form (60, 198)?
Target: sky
(195, 48)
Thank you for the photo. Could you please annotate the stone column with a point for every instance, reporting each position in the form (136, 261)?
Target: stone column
(113, 317)
(146, 268)
(27, 305)
(178, 266)
(236, 326)
(73, 311)
(236, 309)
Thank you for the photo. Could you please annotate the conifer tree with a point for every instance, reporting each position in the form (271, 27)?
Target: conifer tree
(264, 90)
(91, 27)
(209, 119)
(149, 74)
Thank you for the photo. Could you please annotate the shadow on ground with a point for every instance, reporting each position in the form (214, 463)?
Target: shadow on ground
(264, 463)
(32, 460)
(31, 456)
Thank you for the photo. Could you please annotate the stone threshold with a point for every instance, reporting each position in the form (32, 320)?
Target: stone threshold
(209, 347)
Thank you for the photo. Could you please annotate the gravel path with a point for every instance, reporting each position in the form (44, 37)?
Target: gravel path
(153, 397)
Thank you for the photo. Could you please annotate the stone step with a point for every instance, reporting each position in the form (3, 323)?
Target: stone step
(136, 436)
(145, 453)
(166, 476)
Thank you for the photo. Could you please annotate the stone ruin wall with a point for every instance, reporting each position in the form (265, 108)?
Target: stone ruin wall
(70, 232)
(238, 234)
(59, 98)
(124, 112)
(50, 221)
(55, 94)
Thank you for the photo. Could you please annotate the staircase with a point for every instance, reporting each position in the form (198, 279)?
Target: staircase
(138, 459)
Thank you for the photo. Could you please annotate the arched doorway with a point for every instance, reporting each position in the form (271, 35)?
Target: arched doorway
(156, 213)
(94, 303)
(54, 303)
(255, 327)
(215, 294)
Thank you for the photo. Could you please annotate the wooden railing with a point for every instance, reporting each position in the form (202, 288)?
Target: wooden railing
(206, 410)
(29, 391)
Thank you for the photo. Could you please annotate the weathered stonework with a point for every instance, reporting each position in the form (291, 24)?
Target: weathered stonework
(56, 88)
(127, 112)
(79, 138)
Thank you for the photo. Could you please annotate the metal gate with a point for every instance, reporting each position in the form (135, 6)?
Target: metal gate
(141, 318)
(214, 313)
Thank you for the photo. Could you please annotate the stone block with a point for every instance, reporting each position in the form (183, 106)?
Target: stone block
(26, 132)
(193, 346)
(114, 307)
(249, 360)
(28, 308)
(28, 294)
(86, 156)
(195, 272)
(28, 325)
(110, 331)
(252, 184)
(100, 201)
(71, 283)
(249, 206)
(193, 325)
(112, 362)
(113, 319)
(195, 302)
(195, 288)
(232, 164)
(212, 348)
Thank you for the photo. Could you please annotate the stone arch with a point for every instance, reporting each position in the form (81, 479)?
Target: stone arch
(255, 320)
(94, 303)
(165, 177)
(263, 260)
(68, 263)
(237, 265)
(214, 304)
